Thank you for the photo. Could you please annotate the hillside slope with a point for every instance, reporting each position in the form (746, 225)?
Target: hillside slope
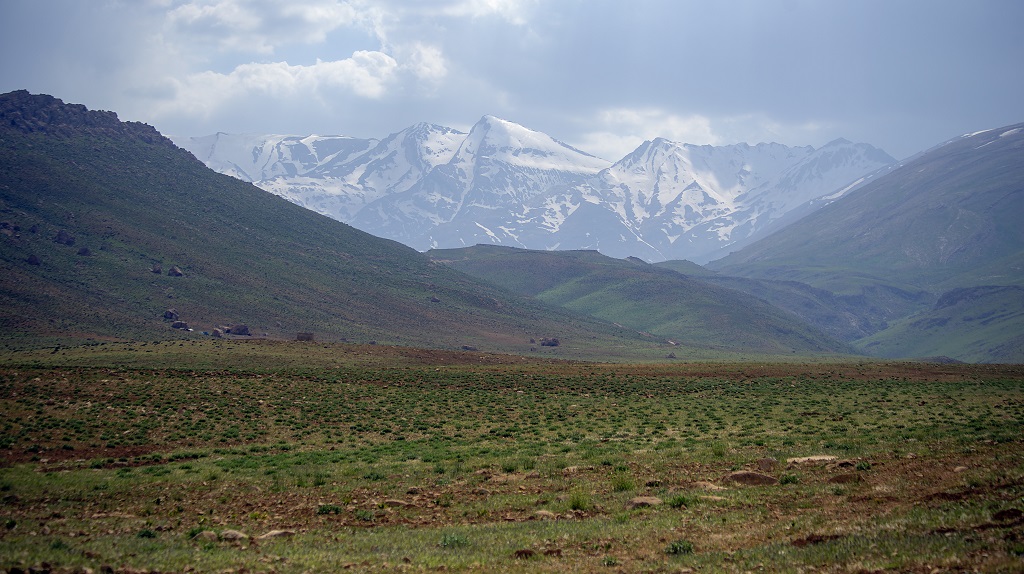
(946, 221)
(96, 213)
(630, 292)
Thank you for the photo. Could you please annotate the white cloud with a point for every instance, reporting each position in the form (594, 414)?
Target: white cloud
(427, 63)
(515, 12)
(621, 130)
(261, 26)
(366, 74)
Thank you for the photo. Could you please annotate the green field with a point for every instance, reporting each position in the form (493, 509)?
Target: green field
(148, 456)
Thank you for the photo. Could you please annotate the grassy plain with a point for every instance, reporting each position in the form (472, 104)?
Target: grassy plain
(146, 456)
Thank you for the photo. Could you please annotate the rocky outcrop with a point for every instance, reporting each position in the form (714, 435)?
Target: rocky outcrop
(30, 113)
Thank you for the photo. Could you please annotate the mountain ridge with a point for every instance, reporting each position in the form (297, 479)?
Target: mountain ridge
(524, 188)
(110, 232)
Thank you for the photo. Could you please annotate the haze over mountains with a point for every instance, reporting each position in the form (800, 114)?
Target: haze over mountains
(434, 187)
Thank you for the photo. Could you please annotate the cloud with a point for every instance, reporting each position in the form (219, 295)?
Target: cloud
(367, 74)
(262, 26)
(621, 130)
(427, 63)
(515, 12)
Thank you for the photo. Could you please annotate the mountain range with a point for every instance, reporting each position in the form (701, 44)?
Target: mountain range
(108, 231)
(434, 187)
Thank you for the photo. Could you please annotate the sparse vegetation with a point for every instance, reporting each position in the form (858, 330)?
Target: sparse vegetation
(447, 460)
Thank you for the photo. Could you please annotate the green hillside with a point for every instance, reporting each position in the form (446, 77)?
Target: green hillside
(685, 267)
(947, 220)
(660, 302)
(977, 324)
(932, 224)
(95, 213)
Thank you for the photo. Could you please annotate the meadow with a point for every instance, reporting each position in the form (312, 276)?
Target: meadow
(183, 456)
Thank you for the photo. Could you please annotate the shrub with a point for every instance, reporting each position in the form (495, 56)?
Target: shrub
(328, 509)
(622, 483)
(680, 501)
(452, 540)
(789, 479)
(679, 547)
(579, 500)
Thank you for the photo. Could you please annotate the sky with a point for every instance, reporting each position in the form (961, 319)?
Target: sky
(600, 75)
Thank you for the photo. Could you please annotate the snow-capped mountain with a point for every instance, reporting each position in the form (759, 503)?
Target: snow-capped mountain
(259, 158)
(477, 197)
(434, 187)
(680, 201)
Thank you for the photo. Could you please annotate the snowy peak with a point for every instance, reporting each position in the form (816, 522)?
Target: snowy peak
(257, 158)
(512, 144)
(430, 186)
(399, 160)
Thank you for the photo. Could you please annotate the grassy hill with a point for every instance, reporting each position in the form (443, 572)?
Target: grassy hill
(977, 324)
(654, 300)
(930, 224)
(947, 220)
(95, 213)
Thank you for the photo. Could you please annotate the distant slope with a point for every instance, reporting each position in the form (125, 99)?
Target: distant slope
(95, 212)
(685, 267)
(977, 324)
(657, 301)
(949, 220)
(931, 224)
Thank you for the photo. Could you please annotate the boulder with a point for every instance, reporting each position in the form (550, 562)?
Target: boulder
(175, 271)
(171, 315)
(207, 535)
(64, 238)
(233, 535)
(807, 459)
(180, 325)
(1008, 515)
(748, 478)
(705, 485)
(276, 534)
(242, 330)
(643, 502)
